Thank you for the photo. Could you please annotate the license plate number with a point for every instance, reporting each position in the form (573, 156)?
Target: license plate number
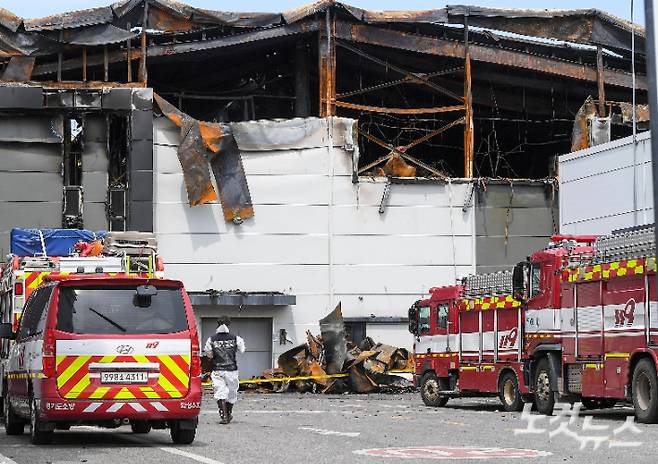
(124, 377)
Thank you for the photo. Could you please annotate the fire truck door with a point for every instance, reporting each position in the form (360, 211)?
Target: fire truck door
(443, 324)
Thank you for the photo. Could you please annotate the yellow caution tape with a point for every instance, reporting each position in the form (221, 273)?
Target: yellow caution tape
(308, 377)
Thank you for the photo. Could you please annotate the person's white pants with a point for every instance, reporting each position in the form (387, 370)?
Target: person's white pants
(225, 385)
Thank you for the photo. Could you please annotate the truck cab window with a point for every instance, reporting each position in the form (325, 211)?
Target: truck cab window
(535, 280)
(424, 320)
(442, 316)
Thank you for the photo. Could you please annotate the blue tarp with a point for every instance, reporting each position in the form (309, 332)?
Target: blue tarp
(59, 242)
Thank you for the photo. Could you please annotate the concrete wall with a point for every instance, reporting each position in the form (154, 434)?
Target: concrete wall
(607, 187)
(315, 233)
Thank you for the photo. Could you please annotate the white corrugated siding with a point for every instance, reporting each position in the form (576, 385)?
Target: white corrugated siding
(607, 187)
(374, 263)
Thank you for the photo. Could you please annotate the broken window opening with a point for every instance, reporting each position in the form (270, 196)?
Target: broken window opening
(118, 139)
(72, 149)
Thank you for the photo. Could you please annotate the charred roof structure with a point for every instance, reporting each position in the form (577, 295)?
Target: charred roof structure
(459, 91)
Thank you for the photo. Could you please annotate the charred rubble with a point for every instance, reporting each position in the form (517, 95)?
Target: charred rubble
(336, 366)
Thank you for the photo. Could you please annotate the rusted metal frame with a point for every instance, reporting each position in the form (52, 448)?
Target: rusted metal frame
(600, 80)
(404, 80)
(129, 77)
(143, 73)
(393, 149)
(327, 65)
(468, 100)
(84, 64)
(412, 144)
(381, 109)
(418, 77)
(60, 58)
(106, 65)
(373, 35)
(155, 50)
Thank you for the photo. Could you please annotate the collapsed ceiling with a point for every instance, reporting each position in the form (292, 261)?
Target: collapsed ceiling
(459, 91)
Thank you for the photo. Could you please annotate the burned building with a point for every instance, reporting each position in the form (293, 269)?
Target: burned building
(288, 161)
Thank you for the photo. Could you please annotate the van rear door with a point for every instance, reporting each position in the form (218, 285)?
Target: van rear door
(112, 343)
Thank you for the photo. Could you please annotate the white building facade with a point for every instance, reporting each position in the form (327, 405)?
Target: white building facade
(607, 187)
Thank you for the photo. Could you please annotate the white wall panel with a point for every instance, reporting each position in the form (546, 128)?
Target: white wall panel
(291, 279)
(607, 187)
(399, 249)
(380, 265)
(369, 193)
(274, 219)
(397, 220)
(244, 248)
(265, 190)
(385, 279)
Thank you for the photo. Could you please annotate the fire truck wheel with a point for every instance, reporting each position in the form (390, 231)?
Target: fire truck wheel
(13, 425)
(645, 392)
(544, 397)
(140, 426)
(429, 390)
(181, 436)
(508, 392)
(38, 436)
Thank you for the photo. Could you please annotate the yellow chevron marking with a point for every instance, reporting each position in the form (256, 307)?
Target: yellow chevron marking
(173, 367)
(99, 392)
(63, 377)
(124, 394)
(168, 387)
(79, 387)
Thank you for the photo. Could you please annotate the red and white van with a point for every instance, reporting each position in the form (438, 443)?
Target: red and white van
(104, 351)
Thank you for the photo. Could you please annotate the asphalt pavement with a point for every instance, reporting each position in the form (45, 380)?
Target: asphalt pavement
(298, 428)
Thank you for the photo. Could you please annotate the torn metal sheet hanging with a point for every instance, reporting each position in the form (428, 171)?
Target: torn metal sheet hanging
(204, 143)
(332, 328)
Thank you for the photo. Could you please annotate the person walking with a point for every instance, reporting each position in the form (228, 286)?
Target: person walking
(223, 348)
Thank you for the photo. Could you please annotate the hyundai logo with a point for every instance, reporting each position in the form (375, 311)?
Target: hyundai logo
(125, 349)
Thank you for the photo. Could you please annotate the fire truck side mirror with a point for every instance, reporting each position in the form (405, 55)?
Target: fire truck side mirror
(413, 319)
(6, 331)
(520, 281)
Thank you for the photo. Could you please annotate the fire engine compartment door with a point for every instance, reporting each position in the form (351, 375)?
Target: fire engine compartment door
(624, 315)
(589, 320)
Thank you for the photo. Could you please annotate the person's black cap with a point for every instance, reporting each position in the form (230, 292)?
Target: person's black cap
(223, 320)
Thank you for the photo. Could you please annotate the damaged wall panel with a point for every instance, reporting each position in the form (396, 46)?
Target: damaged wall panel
(512, 221)
(307, 205)
(95, 165)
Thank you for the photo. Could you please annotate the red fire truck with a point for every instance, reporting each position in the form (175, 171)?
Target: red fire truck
(576, 321)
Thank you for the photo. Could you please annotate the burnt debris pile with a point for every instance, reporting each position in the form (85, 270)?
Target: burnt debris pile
(328, 363)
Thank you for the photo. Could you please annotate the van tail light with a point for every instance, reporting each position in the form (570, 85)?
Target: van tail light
(18, 288)
(195, 365)
(49, 353)
(159, 264)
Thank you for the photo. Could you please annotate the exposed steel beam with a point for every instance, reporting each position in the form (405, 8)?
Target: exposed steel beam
(380, 109)
(389, 38)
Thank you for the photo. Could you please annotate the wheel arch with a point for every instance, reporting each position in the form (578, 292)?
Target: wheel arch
(504, 371)
(552, 352)
(635, 358)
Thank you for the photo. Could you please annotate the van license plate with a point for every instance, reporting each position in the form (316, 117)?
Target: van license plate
(124, 377)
